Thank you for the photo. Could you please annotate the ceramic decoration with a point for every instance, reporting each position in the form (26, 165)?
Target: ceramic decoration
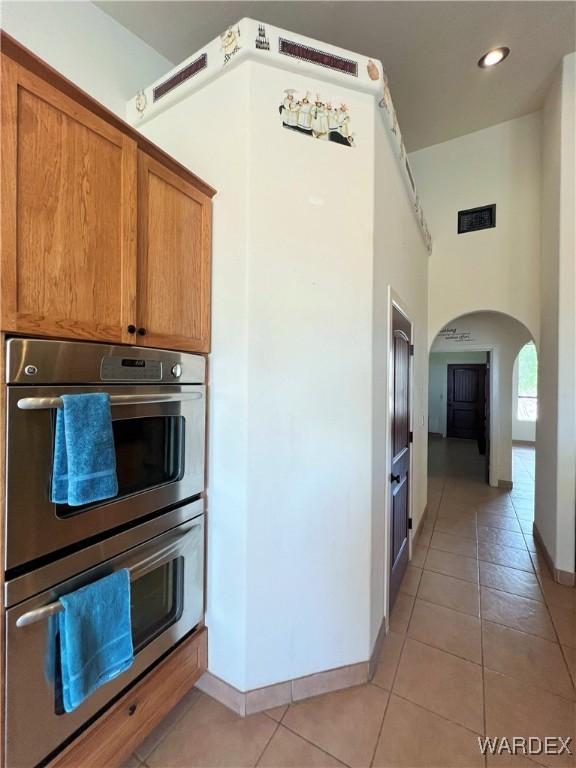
(230, 43)
(262, 43)
(316, 118)
(251, 39)
(373, 71)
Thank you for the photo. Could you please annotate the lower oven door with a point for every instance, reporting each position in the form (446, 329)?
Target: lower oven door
(167, 602)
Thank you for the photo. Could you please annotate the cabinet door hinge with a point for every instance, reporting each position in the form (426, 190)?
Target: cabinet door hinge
(409, 523)
(410, 436)
(412, 350)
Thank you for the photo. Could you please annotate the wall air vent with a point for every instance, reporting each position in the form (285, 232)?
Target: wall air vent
(180, 77)
(477, 218)
(315, 56)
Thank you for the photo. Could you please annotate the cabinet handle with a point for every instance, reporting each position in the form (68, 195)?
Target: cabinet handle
(131, 328)
(132, 709)
(141, 331)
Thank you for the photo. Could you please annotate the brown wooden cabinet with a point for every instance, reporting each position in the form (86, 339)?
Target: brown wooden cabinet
(174, 233)
(68, 215)
(99, 237)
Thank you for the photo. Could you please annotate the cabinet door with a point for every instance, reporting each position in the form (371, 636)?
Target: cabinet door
(174, 258)
(68, 215)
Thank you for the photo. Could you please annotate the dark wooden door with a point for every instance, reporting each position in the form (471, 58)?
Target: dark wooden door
(466, 401)
(400, 465)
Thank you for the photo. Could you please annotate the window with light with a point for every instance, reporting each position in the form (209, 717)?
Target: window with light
(527, 406)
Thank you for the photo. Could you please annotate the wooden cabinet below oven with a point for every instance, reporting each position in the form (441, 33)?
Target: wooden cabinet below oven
(104, 237)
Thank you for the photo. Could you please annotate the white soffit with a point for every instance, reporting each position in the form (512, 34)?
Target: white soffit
(251, 39)
(429, 49)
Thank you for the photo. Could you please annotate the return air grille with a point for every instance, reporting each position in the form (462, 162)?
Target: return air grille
(180, 77)
(476, 218)
(315, 56)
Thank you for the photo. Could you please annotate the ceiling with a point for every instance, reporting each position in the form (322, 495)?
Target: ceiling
(429, 49)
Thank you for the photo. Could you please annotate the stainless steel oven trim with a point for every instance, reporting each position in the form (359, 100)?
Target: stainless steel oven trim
(44, 361)
(46, 403)
(30, 692)
(23, 587)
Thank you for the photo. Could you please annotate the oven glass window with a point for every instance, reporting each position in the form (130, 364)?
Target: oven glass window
(157, 601)
(149, 453)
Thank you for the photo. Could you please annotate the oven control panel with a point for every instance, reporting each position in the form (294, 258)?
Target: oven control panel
(46, 362)
(130, 369)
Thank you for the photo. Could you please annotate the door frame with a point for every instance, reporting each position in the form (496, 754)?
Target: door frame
(394, 301)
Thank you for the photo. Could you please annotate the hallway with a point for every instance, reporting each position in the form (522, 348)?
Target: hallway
(481, 641)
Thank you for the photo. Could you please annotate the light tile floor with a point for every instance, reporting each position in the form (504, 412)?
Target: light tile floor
(481, 642)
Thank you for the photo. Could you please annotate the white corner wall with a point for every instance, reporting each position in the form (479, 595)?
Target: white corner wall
(309, 388)
(400, 274)
(556, 426)
(85, 45)
(299, 424)
(222, 158)
(494, 269)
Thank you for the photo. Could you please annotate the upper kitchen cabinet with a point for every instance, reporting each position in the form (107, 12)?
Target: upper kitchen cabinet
(69, 213)
(174, 246)
(104, 235)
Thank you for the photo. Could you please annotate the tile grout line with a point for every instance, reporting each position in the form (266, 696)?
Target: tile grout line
(538, 687)
(393, 681)
(312, 744)
(267, 743)
(432, 712)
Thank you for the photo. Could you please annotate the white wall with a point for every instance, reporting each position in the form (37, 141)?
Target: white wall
(525, 431)
(222, 158)
(87, 46)
(309, 364)
(400, 273)
(556, 426)
(503, 336)
(495, 269)
(438, 385)
(297, 532)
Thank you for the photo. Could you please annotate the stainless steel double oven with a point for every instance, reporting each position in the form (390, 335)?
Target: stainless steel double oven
(154, 526)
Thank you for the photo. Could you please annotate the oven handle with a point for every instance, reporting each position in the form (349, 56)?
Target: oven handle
(135, 572)
(44, 403)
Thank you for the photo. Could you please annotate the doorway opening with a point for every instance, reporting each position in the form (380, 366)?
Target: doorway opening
(459, 401)
(472, 400)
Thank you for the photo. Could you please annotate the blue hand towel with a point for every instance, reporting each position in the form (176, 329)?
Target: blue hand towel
(95, 635)
(84, 465)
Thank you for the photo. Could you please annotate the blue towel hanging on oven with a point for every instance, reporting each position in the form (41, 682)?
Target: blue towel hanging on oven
(95, 637)
(84, 465)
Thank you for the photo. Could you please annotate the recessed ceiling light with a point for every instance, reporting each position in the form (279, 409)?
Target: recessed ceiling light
(493, 57)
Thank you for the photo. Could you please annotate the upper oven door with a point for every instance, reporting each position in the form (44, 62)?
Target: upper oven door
(159, 435)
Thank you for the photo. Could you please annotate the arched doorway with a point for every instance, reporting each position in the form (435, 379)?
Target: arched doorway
(483, 346)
